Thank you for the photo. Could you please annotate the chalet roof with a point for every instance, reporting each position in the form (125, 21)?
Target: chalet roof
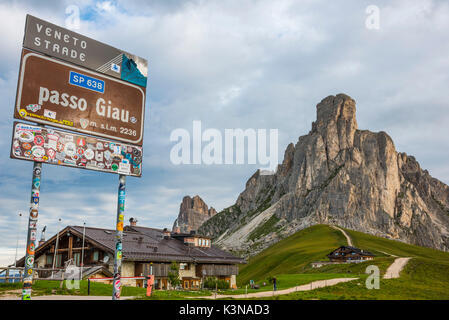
(147, 244)
(175, 248)
(352, 249)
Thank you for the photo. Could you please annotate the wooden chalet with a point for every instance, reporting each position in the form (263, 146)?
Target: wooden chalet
(349, 254)
(144, 250)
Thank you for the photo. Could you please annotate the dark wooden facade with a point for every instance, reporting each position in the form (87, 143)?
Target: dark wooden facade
(209, 270)
(348, 254)
(159, 269)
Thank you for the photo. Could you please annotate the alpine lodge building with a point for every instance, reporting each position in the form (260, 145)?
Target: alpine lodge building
(145, 250)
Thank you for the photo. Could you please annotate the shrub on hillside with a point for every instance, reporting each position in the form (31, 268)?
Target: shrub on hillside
(212, 283)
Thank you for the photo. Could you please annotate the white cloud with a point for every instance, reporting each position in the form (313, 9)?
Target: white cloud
(106, 6)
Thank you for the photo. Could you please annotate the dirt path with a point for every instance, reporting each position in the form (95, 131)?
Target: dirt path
(388, 254)
(348, 238)
(395, 268)
(306, 287)
(10, 294)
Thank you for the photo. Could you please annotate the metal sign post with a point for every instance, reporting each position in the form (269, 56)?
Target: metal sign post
(117, 285)
(32, 232)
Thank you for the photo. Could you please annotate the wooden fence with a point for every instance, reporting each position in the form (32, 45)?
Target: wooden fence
(39, 274)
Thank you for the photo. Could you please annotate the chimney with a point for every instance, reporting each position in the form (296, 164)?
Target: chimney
(42, 240)
(132, 222)
(166, 233)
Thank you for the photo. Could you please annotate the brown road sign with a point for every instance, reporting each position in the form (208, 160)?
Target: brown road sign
(57, 93)
(36, 143)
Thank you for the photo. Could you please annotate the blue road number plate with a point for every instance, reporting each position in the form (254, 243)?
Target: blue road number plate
(81, 80)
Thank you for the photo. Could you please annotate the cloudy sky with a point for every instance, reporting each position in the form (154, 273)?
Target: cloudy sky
(233, 64)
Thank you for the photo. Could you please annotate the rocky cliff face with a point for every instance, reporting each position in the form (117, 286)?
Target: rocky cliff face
(193, 212)
(337, 174)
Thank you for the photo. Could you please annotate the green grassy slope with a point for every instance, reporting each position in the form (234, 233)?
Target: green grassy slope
(421, 279)
(376, 245)
(295, 253)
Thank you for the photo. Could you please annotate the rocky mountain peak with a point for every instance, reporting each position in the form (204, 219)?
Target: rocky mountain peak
(336, 122)
(192, 213)
(338, 174)
(196, 204)
(336, 108)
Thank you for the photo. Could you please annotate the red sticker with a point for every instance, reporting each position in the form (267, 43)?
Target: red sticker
(80, 142)
(39, 140)
(60, 147)
(51, 153)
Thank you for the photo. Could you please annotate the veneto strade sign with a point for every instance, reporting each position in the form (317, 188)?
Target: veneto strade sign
(60, 94)
(36, 143)
(58, 42)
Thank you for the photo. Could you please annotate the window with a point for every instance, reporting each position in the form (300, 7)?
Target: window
(49, 259)
(183, 266)
(76, 258)
(58, 260)
(96, 255)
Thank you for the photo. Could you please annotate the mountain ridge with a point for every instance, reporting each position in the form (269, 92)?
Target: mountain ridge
(337, 174)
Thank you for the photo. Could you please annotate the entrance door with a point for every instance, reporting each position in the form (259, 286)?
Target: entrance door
(164, 284)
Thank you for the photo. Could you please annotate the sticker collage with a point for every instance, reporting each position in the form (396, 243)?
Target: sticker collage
(41, 144)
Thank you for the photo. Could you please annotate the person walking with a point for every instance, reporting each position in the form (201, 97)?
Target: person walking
(274, 284)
